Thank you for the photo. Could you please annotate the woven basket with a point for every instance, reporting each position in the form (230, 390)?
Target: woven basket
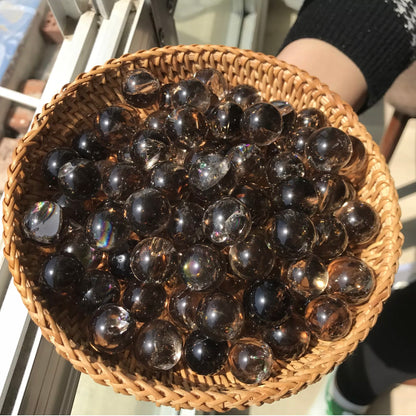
(100, 87)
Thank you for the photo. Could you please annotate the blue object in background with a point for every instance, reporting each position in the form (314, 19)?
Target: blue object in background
(15, 20)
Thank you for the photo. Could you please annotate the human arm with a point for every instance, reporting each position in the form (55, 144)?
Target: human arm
(357, 48)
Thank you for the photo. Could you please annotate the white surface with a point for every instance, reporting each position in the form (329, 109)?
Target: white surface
(109, 34)
(18, 97)
(72, 56)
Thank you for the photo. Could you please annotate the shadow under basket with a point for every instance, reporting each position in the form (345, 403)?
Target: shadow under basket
(181, 388)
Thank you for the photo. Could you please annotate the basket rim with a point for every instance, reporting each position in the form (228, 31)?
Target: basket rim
(63, 345)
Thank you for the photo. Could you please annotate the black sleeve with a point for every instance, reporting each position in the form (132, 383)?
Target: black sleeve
(378, 35)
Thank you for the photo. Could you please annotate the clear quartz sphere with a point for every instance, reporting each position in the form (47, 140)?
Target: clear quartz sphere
(251, 361)
(106, 228)
(248, 162)
(153, 260)
(112, 329)
(183, 305)
(208, 170)
(201, 267)
(43, 222)
(141, 88)
(191, 92)
(158, 345)
(226, 221)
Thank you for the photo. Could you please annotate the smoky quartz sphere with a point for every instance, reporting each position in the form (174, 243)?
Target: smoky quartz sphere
(220, 316)
(267, 301)
(292, 234)
(351, 278)
(62, 273)
(328, 149)
(148, 211)
(97, 288)
(214, 80)
(262, 123)
(77, 244)
(79, 179)
(144, 301)
(251, 361)
(204, 355)
(252, 258)
(328, 317)
(360, 220)
(54, 160)
(183, 305)
(288, 340)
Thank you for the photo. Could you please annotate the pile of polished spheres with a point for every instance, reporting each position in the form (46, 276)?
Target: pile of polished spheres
(215, 233)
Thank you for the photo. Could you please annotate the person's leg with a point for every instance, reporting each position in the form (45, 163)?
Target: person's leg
(386, 358)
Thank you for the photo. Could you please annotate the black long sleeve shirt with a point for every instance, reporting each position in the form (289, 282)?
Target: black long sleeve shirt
(378, 35)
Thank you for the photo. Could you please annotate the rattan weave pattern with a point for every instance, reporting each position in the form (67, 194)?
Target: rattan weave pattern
(68, 111)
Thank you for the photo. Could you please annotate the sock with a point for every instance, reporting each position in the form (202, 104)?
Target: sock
(335, 394)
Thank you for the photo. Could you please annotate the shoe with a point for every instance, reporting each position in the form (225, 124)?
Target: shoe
(337, 404)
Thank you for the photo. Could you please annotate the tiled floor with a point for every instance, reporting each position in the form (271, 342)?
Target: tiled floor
(94, 399)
